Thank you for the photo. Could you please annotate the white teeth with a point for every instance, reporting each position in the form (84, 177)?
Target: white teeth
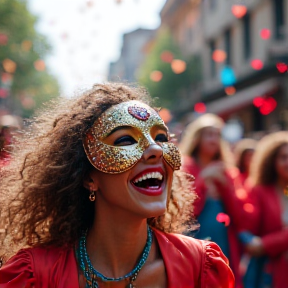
(154, 175)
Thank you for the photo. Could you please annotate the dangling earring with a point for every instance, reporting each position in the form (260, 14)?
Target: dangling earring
(92, 195)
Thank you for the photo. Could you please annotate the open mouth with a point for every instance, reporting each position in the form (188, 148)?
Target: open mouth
(149, 182)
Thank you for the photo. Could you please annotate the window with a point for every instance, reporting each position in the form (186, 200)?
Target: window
(213, 64)
(227, 40)
(247, 36)
(279, 19)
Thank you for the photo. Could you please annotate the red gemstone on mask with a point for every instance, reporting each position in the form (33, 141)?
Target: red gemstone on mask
(139, 112)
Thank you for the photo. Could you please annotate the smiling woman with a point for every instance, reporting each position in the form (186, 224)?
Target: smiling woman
(94, 197)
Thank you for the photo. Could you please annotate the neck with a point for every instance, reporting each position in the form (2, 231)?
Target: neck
(115, 241)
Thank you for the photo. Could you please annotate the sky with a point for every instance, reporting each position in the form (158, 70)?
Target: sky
(87, 35)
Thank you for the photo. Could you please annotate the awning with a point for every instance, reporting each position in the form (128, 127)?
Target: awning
(242, 98)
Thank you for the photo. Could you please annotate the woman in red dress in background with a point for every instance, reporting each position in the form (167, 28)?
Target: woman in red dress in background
(208, 158)
(268, 219)
(93, 203)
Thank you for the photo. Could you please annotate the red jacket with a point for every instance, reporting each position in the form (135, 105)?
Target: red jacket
(231, 195)
(189, 263)
(265, 220)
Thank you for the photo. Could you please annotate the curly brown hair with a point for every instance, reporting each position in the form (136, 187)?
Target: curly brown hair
(44, 201)
(263, 170)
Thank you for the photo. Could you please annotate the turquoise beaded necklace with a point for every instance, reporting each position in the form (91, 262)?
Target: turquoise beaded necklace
(91, 274)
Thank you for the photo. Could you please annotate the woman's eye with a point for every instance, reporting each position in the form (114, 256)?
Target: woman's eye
(161, 138)
(125, 141)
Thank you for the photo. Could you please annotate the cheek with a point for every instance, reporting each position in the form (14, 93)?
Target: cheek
(210, 144)
(282, 167)
(113, 187)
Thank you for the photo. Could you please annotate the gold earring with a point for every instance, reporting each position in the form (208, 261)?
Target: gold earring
(92, 195)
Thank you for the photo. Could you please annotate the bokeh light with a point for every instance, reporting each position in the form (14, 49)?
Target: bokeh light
(3, 39)
(241, 193)
(230, 90)
(3, 93)
(6, 78)
(223, 218)
(89, 3)
(265, 34)
(167, 56)
(9, 65)
(257, 64)
(265, 105)
(258, 101)
(239, 10)
(39, 65)
(200, 107)
(165, 114)
(227, 76)
(178, 66)
(64, 36)
(282, 67)
(219, 56)
(268, 106)
(156, 76)
(248, 207)
(27, 102)
(26, 45)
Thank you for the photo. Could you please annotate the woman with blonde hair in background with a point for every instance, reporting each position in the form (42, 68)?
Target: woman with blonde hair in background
(209, 159)
(267, 239)
(94, 196)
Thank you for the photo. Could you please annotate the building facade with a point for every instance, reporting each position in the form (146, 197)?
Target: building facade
(132, 55)
(209, 25)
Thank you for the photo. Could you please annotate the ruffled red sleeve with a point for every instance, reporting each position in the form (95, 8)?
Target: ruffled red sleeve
(17, 272)
(216, 272)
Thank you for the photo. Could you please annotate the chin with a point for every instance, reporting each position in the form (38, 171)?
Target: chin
(152, 210)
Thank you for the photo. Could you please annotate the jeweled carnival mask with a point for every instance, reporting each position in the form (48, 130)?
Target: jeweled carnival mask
(117, 159)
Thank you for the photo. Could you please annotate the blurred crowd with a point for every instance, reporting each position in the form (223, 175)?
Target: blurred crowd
(242, 202)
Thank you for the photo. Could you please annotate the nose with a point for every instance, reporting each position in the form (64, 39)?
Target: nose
(152, 154)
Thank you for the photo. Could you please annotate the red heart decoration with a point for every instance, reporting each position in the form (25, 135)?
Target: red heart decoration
(269, 104)
(282, 67)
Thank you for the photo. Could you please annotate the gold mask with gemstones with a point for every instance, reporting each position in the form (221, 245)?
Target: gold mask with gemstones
(117, 159)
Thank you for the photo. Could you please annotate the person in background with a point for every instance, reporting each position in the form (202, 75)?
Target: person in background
(243, 152)
(266, 236)
(206, 156)
(94, 195)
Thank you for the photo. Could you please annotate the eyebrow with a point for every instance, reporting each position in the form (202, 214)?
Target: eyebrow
(131, 127)
(119, 128)
(162, 127)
